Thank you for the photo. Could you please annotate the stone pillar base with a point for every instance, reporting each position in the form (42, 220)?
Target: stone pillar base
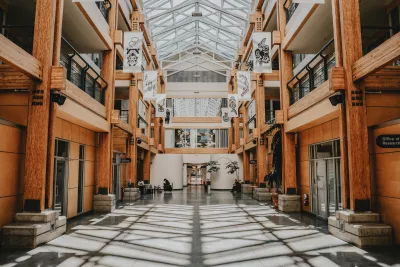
(360, 228)
(131, 194)
(289, 203)
(247, 189)
(33, 229)
(104, 203)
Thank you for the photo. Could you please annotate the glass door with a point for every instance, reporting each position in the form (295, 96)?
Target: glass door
(116, 181)
(60, 191)
(321, 188)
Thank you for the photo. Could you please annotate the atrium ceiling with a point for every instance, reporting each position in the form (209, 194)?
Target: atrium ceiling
(201, 35)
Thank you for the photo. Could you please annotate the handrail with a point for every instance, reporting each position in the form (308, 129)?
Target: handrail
(309, 70)
(87, 66)
(289, 10)
(18, 37)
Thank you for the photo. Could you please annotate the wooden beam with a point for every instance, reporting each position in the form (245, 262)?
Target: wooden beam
(134, 5)
(386, 79)
(58, 78)
(274, 76)
(259, 5)
(279, 117)
(196, 120)
(18, 58)
(378, 58)
(118, 37)
(276, 38)
(11, 78)
(337, 79)
(120, 75)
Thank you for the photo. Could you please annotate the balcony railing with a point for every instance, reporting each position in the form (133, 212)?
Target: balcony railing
(290, 9)
(374, 36)
(314, 74)
(269, 116)
(21, 35)
(104, 8)
(80, 73)
(124, 115)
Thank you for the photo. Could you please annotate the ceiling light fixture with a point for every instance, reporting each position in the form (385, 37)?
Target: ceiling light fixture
(197, 14)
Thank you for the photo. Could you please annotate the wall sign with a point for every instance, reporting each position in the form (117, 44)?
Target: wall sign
(126, 160)
(253, 162)
(388, 141)
(262, 58)
(149, 85)
(233, 105)
(244, 85)
(161, 105)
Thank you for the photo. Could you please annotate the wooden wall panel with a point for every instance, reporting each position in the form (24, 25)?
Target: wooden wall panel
(77, 136)
(15, 114)
(12, 161)
(385, 179)
(72, 202)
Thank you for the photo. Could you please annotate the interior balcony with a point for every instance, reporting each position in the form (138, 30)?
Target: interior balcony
(309, 26)
(310, 89)
(85, 26)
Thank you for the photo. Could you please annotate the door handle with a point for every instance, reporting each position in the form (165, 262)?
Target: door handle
(56, 190)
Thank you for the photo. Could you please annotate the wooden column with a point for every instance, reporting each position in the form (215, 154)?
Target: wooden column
(246, 156)
(104, 170)
(342, 118)
(53, 106)
(261, 154)
(146, 165)
(236, 124)
(356, 115)
(39, 105)
(133, 121)
(288, 139)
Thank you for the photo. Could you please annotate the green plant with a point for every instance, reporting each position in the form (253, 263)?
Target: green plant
(213, 166)
(233, 167)
(276, 147)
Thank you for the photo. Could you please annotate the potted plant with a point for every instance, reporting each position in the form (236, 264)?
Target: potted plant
(233, 167)
(274, 179)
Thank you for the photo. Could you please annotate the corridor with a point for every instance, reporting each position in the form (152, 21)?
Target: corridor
(193, 228)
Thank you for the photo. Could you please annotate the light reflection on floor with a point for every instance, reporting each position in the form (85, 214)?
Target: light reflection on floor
(197, 235)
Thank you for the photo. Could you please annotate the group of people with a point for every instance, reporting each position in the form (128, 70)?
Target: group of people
(167, 185)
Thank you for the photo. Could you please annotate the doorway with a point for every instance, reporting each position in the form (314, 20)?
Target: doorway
(60, 190)
(116, 176)
(325, 178)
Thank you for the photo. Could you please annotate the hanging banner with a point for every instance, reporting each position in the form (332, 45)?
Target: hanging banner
(226, 121)
(233, 105)
(168, 116)
(244, 85)
(149, 85)
(133, 52)
(161, 105)
(262, 42)
(308, 1)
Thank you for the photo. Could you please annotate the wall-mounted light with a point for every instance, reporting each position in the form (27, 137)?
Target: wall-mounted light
(336, 99)
(254, 141)
(138, 141)
(58, 98)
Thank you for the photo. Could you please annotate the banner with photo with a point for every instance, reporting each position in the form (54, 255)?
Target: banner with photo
(161, 105)
(233, 105)
(262, 42)
(149, 85)
(133, 52)
(226, 121)
(244, 85)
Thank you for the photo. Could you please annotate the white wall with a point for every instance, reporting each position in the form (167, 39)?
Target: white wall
(167, 166)
(196, 158)
(184, 175)
(221, 179)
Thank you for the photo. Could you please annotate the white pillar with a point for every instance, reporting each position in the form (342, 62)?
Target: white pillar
(185, 175)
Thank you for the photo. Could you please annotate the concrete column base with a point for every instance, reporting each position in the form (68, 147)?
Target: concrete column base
(360, 228)
(33, 229)
(131, 194)
(247, 188)
(289, 203)
(104, 203)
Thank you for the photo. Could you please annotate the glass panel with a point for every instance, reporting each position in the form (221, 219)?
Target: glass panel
(62, 148)
(59, 176)
(331, 175)
(321, 187)
(336, 145)
(324, 150)
(338, 170)
(81, 183)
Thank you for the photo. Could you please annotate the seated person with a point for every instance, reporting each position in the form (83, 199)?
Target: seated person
(238, 186)
(167, 185)
(141, 186)
(234, 186)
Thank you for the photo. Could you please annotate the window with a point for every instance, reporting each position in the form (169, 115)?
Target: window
(196, 138)
(61, 148)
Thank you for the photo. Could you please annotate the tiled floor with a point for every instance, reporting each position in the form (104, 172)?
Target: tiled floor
(193, 228)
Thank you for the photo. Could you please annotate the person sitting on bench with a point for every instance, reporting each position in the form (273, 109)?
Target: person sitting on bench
(167, 185)
(141, 187)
